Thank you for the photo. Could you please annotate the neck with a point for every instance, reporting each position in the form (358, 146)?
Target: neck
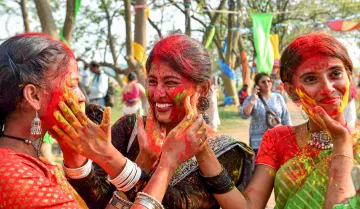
(266, 94)
(15, 126)
(169, 127)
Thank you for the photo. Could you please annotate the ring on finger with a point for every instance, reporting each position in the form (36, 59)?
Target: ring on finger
(107, 124)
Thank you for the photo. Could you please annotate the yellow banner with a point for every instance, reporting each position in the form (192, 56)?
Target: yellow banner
(139, 53)
(274, 39)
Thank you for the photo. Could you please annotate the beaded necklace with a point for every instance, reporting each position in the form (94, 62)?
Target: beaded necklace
(320, 140)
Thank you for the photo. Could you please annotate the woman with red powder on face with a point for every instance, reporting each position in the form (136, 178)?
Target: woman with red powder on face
(308, 165)
(37, 74)
(178, 72)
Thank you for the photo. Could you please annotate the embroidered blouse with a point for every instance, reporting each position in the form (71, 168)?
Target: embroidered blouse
(186, 188)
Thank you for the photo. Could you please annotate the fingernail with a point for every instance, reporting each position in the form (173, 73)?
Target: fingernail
(61, 105)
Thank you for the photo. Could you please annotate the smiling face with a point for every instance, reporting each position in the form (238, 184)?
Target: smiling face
(62, 87)
(323, 81)
(166, 91)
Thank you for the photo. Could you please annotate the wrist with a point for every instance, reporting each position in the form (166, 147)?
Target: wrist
(74, 161)
(168, 165)
(346, 148)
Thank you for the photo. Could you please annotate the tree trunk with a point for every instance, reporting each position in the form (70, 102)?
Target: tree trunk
(140, 33)
(229, 84)
(187, 4)
(214, 20)
(140, 38)
(238, 44)
(129, 39)
(69, 21)
(46, 19)
(24, 12)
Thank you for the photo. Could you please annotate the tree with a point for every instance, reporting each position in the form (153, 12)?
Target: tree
(24, 12)
(46, 19)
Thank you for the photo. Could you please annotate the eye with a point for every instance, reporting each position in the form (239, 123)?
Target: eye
(152, 82)
(336, 74)
(309, 79)
(171, 83)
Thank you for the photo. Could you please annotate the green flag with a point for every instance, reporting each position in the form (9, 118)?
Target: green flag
(263, 47)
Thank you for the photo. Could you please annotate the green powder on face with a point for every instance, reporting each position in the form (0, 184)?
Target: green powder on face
(179, 97)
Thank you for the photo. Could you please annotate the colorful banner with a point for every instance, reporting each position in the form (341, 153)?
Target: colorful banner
(264, 50)
(342, 25)
(245, 67)
(274, 39)
(139, 53)
(225, 68)
(210, 37)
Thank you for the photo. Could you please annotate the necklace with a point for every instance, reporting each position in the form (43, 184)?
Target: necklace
(36, 143)
(320, 140)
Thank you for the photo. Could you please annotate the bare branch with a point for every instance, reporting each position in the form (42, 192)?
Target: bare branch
(155, 27)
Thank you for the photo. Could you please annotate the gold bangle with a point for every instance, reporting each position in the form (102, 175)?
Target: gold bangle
(343, 155)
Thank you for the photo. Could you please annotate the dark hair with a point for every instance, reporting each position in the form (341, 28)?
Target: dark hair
(132, 76)
(307, 46)
(183, 54)
(31, 58)
(94, 112)
(94, 64)
(259, 76)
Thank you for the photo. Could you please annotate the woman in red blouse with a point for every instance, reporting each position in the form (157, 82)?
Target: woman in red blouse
(308, 165)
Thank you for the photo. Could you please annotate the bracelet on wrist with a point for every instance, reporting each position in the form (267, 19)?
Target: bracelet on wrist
(342, 155)
(147, 201)
(219, 184)
(128, 177)
(78, 173)
(119, 202)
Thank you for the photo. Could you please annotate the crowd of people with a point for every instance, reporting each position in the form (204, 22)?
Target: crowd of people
(172, 158)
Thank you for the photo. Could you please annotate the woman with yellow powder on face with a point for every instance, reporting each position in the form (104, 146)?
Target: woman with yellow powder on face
(308, 165)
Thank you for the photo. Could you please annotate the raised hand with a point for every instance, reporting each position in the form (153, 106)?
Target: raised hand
(186, 139)
(340, 134)
(80, 133)
(151, 139)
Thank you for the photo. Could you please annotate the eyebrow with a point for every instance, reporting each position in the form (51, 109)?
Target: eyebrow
(330, 68)
(165, 77)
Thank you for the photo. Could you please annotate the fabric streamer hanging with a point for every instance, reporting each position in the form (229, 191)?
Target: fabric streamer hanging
(139, 53)
(274, 39)
(210, 37)
(245, 67)
(225, 68)
(76, 10)
(264, 50)
(343, 25)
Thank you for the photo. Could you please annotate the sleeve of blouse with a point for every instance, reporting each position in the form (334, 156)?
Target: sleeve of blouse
(267, 152)
(23, 185)
(241, 112)
(192, 192)
(95, 189)
(285, 116)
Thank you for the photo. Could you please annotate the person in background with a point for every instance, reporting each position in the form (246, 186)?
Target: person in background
(254, 107)
(131, 94)
(350, 110)
(99, 85)
(214, 119)
(84, 74)
(243, 94)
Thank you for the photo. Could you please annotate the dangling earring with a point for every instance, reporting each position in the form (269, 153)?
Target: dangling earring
(204, 104)
(36, 126)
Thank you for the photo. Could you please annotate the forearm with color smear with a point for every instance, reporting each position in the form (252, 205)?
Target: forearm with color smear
(210, 166)
(257, 193)
(340, 186)
(158, 183)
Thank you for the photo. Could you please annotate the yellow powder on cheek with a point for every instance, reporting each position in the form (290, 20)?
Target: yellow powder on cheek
(345, 98)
